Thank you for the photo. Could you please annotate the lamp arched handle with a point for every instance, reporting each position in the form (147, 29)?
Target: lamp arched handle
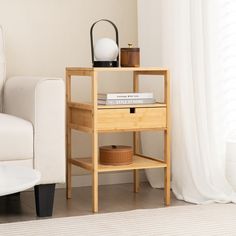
(91, 38)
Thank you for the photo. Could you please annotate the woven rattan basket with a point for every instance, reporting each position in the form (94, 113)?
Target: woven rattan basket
(116, 155)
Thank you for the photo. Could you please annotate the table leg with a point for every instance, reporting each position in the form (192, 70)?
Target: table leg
(167, 169)
(136, 181)
(95, 172)
(95, 191)
(68, 166)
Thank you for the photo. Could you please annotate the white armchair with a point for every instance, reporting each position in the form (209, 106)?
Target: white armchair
(32, 129)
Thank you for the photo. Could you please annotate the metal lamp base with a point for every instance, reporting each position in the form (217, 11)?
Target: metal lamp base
(105, 64)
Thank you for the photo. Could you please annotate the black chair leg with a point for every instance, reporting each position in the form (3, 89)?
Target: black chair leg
(44, 197)
(14, 195)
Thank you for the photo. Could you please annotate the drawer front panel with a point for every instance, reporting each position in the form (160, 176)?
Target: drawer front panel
(131, 119)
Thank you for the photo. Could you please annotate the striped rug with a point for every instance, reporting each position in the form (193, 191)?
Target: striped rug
(215, 219)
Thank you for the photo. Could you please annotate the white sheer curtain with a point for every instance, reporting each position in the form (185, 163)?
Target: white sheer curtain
(227, 48)
(198, 45)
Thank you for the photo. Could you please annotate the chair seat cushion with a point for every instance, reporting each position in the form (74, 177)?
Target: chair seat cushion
(16, 138)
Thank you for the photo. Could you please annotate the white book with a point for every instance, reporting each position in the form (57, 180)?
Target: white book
(125, 101)
(104, 96)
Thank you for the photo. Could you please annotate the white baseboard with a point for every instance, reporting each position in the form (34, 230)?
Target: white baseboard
(105, 179)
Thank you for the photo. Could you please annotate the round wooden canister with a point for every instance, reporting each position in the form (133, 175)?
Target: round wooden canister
(116, 155)
(130, 57)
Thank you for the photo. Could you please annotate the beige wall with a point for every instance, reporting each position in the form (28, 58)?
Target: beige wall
(45, 36)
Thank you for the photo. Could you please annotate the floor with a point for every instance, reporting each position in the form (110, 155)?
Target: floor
(112, 198)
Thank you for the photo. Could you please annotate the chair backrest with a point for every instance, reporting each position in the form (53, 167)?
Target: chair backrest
(2, 67)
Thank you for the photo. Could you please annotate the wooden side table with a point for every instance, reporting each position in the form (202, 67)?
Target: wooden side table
(94, 119)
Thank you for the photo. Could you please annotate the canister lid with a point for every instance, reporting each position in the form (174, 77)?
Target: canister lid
(130, 48)
(116, 148)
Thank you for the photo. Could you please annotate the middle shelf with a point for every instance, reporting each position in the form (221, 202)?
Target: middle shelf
(89, 106)
(139, 162)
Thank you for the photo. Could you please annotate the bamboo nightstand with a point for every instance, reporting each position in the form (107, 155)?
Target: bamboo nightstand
(95, 119)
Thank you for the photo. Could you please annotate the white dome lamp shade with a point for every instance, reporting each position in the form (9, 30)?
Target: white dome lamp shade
(105, 52)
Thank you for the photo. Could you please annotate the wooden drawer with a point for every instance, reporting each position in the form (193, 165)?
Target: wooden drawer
(128, 119)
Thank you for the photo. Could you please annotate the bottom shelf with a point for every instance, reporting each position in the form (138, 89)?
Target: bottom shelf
(138, 163)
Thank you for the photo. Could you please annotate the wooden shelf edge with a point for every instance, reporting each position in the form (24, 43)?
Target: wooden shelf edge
(150, 158)
(90, 130)
(138, 69)
(80, 105)
(132, 130)
(80, 128)
(82, 162)
(138, 163)
(78, 70)
(89, 106)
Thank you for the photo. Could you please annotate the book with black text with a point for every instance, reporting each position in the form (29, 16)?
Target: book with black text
(104, 96)
(125, 101)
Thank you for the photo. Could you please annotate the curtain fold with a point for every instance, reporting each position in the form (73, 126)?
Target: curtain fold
(190, 42)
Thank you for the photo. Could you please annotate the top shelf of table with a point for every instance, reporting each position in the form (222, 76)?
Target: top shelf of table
(89, 71)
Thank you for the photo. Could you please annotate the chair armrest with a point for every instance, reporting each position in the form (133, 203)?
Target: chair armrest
(41, 101)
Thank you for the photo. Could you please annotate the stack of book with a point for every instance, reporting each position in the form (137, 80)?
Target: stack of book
(125, 98)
